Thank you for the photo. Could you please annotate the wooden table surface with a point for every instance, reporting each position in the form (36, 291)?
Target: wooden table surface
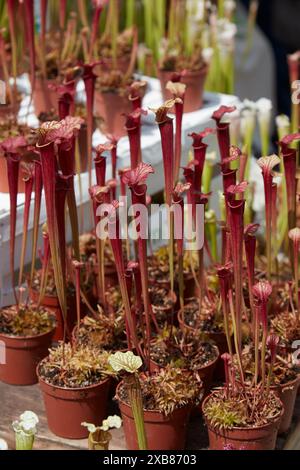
(15, 400)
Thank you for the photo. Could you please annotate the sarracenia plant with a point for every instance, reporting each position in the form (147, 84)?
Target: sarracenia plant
(272, 345)
(12, 148)
(89, 79)
(136, 180)
(62, 189)
(290, 165)
(13, 38)
(267, 164)
(98, 7)
(236, 225)
(66, 136)
(225, 278)
(262, 292)
(28, 171)
(100, 162)
(133, 128)
(223, 133)
(130, 364)
(250, 246)
(294, 235)
(46, 148)
(165, 124)
(178, 203)
(199, 148)
(114, 155)
(38, 187)
(99, 195)
(177, 89)
(45, 263)
(29, 29)
(66, 92)
(114, 235)
(137, 91)
(77, 265)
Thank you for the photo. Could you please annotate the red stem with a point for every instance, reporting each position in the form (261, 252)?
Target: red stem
(166, 131)
(95, 26)
(100, 169)
(236, 223)
(66, 99)
(13, 164)
(29, 28)
(38, 187)
(178, 138)
(89, 79)
(133, 128)
(28, 193)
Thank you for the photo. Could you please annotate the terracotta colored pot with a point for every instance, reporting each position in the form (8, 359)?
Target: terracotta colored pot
(194, 80)
(44, 98)
(22, 354)
(51, 302)
(163, 432)
(287, 394)
(67, 408)
(238, 438)
(111, 107)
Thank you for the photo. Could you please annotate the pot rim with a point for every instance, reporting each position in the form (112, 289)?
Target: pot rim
(240, 428)
(6, 335)
(145, 410)
(287, 384)
(201, 71)
(71, 389)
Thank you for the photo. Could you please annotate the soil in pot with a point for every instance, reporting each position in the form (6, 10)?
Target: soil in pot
(26, 334)
(166, 409)
(194, 81)
(230, 426)
(74, 389)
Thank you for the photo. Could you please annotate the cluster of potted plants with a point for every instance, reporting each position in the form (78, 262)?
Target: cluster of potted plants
(103, 314)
